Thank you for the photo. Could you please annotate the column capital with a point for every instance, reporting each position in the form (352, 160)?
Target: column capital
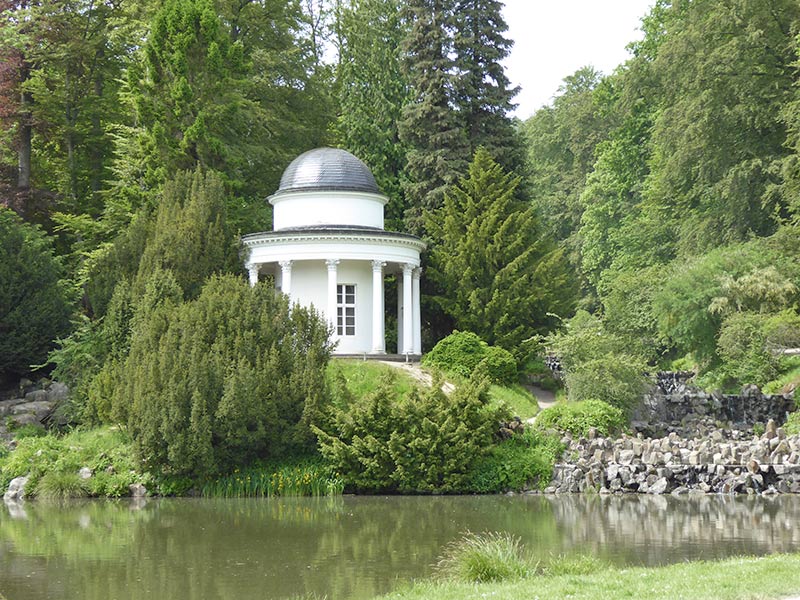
(377, 265)
(416, 273)
(331, 263)
(408, 268)
(285, 264)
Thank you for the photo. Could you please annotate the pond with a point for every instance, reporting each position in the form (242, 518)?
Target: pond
(349, 547)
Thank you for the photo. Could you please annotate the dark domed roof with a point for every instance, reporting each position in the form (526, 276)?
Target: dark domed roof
(327, 169)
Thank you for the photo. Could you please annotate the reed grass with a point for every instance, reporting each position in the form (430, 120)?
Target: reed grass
(308, 478)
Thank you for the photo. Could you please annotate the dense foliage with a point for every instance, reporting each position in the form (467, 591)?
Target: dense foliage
(463, 352)
(225, 379)
(499, 278)
(672, 186)
(519, 463)
(35, 306)
(578, 417)
(599, 364)
(425, 442)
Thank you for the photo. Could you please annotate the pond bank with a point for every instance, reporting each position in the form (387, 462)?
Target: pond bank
(773, 576)
(725, 462)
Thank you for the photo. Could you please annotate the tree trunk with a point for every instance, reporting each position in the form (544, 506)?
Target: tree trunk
(25, 134)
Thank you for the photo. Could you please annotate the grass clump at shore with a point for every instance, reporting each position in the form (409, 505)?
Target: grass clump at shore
(768, 577)
(60, 486)
(483, 557)
(301, 478)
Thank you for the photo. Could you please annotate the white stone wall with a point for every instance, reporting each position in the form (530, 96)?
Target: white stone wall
(308, 288)
(302, 209)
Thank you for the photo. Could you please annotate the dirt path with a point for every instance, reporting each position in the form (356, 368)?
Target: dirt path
(416, 372)
(545, 398)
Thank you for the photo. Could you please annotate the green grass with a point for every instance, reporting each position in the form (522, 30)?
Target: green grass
(770, 577)
(790, 378)
(521, 402)
(301, 478)
(107, 451)
(362, 377)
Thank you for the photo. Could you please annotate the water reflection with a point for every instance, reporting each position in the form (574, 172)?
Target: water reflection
(348, 547)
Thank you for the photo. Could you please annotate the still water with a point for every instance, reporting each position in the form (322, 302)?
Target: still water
(348, 547)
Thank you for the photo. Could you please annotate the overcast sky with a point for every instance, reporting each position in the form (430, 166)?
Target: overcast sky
(554, 38)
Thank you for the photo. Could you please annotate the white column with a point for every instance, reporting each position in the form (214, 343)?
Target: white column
(252, 271)
(378, 313)
(286, 277)
(332, 282)
(417, 315)
(408, 318)
(399, 315)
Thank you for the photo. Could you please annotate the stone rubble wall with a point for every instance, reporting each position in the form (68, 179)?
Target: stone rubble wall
(674, 405)
(722, 463)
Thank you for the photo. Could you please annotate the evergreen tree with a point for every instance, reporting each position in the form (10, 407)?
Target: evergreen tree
(438, 148)
(482, 93)
(373, 90)
(500, 278)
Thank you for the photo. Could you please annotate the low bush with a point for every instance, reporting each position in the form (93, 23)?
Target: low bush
(463, 352)
(522, 462)
(578, 417)
(482, 558)
(425, 442)
(499, 365)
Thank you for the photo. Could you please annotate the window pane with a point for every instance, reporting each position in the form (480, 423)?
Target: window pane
(351, 331)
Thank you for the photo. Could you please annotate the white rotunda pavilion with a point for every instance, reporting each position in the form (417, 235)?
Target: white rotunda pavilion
(328, 249)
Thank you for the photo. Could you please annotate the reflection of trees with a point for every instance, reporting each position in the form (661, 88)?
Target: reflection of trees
(654, 530)
(348, 547)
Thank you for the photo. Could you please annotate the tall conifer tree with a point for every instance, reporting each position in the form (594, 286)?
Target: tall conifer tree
(482, 93)
(438, 147)
(372, 92)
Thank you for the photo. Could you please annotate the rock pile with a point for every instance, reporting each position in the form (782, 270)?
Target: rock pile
(30, 404)
(721, 463)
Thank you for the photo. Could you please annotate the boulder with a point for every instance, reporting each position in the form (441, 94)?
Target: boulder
(139, 491)
(16, 489)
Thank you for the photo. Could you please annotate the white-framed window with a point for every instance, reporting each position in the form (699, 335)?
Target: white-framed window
(346, 309)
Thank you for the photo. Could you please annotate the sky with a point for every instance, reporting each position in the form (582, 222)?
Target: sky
(554, 38)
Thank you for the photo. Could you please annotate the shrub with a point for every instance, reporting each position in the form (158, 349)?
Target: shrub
(34, 304)
(422, 443)
(499, 364)
(578, 417)
(481, 558)
(462, 352)
(232, 377)
(597, 364)
(522, 462)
